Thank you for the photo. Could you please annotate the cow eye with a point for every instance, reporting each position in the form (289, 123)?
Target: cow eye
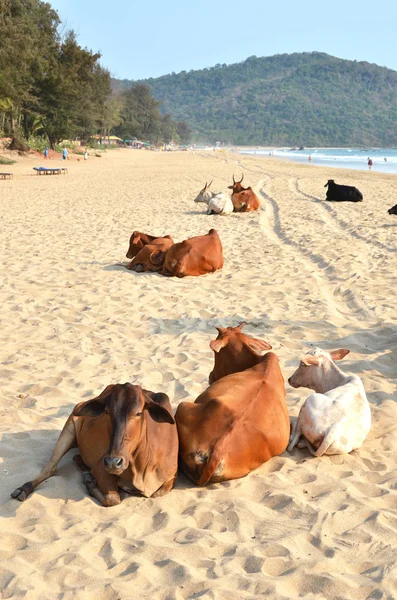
(138, 414)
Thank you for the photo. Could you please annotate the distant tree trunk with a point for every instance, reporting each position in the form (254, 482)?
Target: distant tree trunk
(26, 126)
(13, 124)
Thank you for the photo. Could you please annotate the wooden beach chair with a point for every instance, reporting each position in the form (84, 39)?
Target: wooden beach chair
(6, 175)
(48, 170)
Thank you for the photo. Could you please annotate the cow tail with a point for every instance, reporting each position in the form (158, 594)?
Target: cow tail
(211, 465)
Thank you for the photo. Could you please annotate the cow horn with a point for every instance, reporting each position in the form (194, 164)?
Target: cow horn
(241, 325)
(242, 177)
(233, 179)
(210, 183)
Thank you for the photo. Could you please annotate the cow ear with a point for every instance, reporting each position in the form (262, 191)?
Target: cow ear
(230, 187)
(241, 325)
(158, 413)
(339, 354)
(94, 407)
(217, 345)
(157, 257)
(257, 345)
(309, 360)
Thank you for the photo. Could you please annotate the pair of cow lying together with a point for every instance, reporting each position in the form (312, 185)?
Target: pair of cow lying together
(128, 438)
(196, 256)
(221, 203)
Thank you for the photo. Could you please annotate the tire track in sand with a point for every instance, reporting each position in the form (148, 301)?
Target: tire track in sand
(343, 225)
(318, 268)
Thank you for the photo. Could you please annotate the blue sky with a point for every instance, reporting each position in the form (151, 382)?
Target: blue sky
(140, 39)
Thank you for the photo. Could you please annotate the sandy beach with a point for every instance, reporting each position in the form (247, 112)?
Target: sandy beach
(300, 272)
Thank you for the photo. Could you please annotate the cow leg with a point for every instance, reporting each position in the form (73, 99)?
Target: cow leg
(88, 479)
(66, 441)
(328, 440)
(304, 443)
(80, 463)
(104, 487)
(164, 489)
(129, 266)
(295, 435)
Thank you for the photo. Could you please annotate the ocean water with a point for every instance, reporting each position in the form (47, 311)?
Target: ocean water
(345, 158)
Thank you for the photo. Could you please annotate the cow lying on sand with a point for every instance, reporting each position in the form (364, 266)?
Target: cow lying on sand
(195, 256)
(342, 193)
(393, 210)
(244, 199)
(337, 418)
(151, 256)
(126, 436)
(218, 203)
(237, 424)
(235, 351)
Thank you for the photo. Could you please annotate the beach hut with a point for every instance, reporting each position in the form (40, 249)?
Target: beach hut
(109, 140)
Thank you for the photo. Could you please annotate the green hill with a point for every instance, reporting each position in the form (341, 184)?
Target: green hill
(309, 99)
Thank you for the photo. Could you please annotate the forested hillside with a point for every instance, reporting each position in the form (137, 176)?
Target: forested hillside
(297, 99)
(52, 89)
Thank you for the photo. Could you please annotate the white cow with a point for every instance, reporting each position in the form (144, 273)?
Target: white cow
(218, 203)
(337, 418)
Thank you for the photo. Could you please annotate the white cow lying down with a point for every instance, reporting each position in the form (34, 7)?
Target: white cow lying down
(337, 418)
(219, 203)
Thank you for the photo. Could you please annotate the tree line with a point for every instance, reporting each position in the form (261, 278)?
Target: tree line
(52, 87)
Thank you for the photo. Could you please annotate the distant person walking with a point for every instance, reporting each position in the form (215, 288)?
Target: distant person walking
(369, 163)
(65, 154)
(310, 158)
(46, 152)
(86, 154)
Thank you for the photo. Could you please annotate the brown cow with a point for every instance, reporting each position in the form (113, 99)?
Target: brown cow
(127, 437)
(151, 256)
(235, 351)
(238, 423)
(195, 256)
(137, 241)
(244, 199)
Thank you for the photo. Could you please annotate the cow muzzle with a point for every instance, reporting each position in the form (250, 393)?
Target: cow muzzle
(291, 382)
(114, 464)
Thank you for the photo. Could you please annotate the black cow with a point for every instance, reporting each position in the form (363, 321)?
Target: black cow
(342, 193)
(393, 210)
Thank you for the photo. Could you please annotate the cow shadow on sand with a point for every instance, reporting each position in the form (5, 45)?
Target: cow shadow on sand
(35, 448)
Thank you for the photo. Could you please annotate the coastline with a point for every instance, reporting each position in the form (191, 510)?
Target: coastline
(384, 159)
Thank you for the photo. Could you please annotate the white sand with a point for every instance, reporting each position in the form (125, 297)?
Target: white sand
(300, 272)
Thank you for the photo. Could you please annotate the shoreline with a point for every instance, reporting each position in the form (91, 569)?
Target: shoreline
(340, 159)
